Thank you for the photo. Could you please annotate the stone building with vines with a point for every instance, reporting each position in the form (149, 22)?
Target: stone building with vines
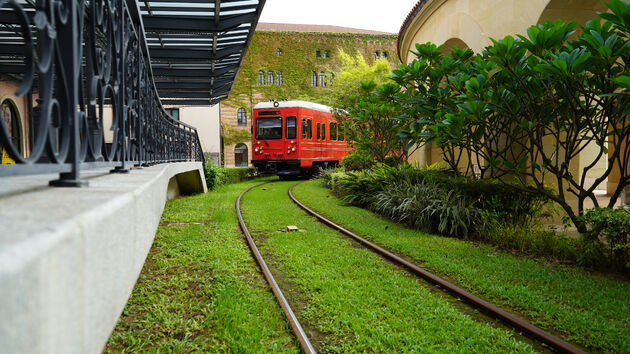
(290, 62)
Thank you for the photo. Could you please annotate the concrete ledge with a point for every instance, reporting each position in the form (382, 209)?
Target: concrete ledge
(69, 257)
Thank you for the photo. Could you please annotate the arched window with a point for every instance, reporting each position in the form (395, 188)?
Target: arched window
(261, 78)
(11, 119)
(270, 78)
(240, 155)
(241, 116)
(383, 55)
(326, 54)
(322, 79)
(279, 52)
(279, 81)
(376, 55)
(314, 83)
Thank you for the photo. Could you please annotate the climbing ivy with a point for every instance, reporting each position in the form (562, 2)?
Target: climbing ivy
(297, 64)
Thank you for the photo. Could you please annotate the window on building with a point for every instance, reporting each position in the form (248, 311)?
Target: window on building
(341, 136)
(241, 116)
(279, 52)
(333, 131)
(332, 78)
(326, 54)
(291, 128)
(309, 124)
(240, 155)
(376, 55)
(270, 78)
(318, 53)
(173, 112)
(314, 79)
(383, 55)
(11, 118)
(261, 78)
(319, 132)
(322, 79)
(279, 81)
(323, 131)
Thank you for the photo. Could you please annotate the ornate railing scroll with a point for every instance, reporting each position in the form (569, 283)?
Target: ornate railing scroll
(82, 70)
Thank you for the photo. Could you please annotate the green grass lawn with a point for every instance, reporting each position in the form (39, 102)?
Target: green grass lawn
(200, 290)
(589, 309)
(351, 300)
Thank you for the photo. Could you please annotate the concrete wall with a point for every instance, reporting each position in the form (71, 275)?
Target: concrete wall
(70, 257)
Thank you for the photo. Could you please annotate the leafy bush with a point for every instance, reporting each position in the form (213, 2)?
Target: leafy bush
(357, 161)
(235, 175)
(528, 238)
(497, 199)
(427, 206)
(215, 175)
(329, 177)
(613, 226)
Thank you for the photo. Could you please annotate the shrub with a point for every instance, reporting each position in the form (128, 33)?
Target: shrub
(235, 175)
(215, 175)
(427, 206)
(329, 177)
(613, 226)
(528, 238)
(357, 161)
(497, 199)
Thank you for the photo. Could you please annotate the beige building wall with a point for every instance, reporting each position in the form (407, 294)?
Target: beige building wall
(206, 120)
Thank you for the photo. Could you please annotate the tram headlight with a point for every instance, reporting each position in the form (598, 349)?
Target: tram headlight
(256, 149)
(293, 149)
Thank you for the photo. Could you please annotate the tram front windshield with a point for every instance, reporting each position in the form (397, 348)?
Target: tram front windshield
(269, 128)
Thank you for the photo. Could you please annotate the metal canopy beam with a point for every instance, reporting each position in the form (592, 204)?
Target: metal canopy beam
(197, 46)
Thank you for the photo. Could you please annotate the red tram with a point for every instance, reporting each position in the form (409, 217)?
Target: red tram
(293, 138)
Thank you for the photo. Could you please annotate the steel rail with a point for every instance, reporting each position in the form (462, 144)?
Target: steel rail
(306, 345)
(508, 318)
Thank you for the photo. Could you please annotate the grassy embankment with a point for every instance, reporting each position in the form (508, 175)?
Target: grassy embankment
(200, 290)
(351, 300)
(586, 308)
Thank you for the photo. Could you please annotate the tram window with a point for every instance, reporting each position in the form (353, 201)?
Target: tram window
(310, 129)
(341, 133)
(319, 132)
(269, 128)
(323, 131)
(304, 128)
(333, 131)
(291, 127)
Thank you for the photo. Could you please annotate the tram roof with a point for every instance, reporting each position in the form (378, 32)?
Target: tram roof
(294, 104)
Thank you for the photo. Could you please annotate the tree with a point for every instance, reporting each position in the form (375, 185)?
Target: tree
(369, 121)
(348, 77)
(527, 107)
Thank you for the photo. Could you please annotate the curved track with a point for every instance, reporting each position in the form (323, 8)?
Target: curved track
(511, 320)
(306, 345)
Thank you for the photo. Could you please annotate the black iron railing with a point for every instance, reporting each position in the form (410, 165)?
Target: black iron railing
(82, 70)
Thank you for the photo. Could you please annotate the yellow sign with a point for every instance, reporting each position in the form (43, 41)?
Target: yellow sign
(6, 159)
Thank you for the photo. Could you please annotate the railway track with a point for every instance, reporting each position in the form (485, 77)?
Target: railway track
(507, 318)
